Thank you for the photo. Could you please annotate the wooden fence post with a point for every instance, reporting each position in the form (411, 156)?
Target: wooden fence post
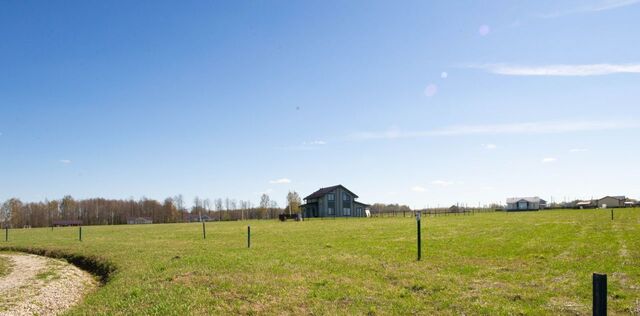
(249, 236)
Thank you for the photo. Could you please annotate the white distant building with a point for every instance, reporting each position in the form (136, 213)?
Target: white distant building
(586, 204)
(525, 204)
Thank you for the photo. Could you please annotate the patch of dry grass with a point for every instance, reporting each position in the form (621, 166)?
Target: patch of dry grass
(5, 266)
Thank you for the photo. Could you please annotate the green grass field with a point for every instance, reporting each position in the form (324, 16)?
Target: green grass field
(494, 263)
(4, 267)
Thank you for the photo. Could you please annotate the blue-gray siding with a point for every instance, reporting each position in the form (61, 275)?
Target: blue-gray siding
(357, 209)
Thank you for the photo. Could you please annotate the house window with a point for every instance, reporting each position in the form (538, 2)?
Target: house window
(359, 211)
(346, 211)
(345, 197)
(330, 197)
(330, 211)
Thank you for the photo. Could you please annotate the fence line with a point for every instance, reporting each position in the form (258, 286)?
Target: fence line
(434, 212)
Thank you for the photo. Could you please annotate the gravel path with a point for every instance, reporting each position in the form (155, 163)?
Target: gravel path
(41, 286)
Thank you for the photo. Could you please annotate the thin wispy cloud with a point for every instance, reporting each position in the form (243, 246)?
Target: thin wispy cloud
(307, 145)
(489, 146)
(418, 189)
(442, 183)
(280, 181)
(610, 5)
(314, 143)
(594, 7)
(578, 150)
(552, 127)
(65, 161)
(549, 160)
(558, 70)
(555, 14)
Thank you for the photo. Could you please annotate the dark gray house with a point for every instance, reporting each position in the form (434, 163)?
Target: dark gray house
(612, 201)
(335, 201)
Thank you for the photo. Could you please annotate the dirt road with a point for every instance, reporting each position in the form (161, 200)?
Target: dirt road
(39, 285)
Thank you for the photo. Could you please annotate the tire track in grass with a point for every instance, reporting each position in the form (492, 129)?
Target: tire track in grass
(620, 229)
(623, 251)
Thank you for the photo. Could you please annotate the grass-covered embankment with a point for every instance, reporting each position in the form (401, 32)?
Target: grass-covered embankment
(496, 263)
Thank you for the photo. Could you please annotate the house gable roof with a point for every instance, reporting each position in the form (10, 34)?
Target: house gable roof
(533, 199)
(617, 197)
(324, 191)
(139, 218)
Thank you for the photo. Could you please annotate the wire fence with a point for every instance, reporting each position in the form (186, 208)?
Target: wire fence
(434, 212)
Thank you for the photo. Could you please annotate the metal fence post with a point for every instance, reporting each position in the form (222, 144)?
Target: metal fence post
(599, 294)
(419, 236)
(249, 236)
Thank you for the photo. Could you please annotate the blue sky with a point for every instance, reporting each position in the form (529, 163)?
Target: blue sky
(422, 103)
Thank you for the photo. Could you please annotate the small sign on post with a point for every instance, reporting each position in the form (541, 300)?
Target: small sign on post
(599, 294)
(418, 215)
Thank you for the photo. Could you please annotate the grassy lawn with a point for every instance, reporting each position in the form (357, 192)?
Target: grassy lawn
(494, 263)
(4, 266)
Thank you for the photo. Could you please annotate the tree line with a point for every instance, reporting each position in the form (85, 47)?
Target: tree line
(381, 208)
(99, 211)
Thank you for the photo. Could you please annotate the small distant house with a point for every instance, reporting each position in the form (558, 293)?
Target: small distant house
(334, 201)
(203, 218)
(586, 204)
(139, 220)
(525, 204)
(612, 201)
(65, 223)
